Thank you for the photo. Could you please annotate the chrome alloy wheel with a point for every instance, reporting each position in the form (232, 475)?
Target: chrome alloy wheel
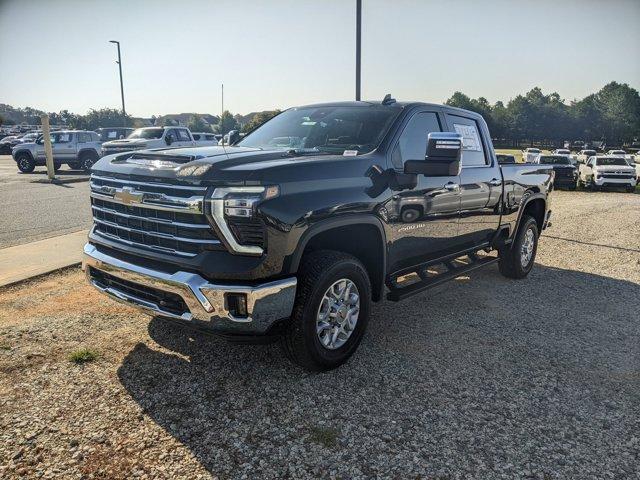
(338, 314)
(526, 251)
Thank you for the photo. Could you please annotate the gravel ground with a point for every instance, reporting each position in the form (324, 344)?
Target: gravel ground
(483, 378)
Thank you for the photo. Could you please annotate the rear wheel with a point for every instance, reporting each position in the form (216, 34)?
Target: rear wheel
(331, 311)
(87, 159)
(630, 189)
(25, 163)
(516, 260)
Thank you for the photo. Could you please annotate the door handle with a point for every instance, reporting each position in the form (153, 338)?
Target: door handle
(452, 187)
(494, 182)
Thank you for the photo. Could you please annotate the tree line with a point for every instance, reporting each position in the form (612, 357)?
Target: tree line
(611, 115)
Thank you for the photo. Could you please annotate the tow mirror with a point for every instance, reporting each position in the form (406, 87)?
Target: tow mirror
(168, 139)
(443, 156)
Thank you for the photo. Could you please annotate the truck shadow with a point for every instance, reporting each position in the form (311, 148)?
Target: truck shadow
(427, 377)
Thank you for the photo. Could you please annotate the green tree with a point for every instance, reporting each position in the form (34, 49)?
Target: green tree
(106, 117)
(258, 119)
(197, 124)
(226, 123)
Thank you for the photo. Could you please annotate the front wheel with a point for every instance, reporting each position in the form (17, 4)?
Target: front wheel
(331, 311)
(87, 159)
(25, 163)
(630, 189)
(516, 260)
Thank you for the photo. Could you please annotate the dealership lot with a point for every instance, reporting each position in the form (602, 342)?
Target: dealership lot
(461, 381)
(33, 210)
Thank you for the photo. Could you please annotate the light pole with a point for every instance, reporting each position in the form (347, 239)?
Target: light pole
(119, 62)
(358, 45)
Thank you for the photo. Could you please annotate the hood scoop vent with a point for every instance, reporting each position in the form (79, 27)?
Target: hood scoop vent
(155, 160)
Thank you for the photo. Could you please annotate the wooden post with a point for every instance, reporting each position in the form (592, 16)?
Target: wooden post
(46, 136)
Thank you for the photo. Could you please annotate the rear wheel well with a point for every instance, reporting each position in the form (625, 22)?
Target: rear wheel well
(363, 241)
(535, 208)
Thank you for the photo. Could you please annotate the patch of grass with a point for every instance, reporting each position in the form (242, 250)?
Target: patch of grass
(324, 436)
(83, 355)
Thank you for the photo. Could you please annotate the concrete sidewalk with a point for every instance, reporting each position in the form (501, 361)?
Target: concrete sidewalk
(32, 259)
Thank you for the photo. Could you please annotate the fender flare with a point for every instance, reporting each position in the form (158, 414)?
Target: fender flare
(530, 196)
(23, 150)
(90, 150)
(346, 220)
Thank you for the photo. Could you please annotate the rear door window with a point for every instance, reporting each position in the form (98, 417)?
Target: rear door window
(473, 153)
(183, 136)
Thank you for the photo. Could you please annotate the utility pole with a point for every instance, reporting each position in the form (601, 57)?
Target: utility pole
(119, 62)
(222, 90)
(358, 45)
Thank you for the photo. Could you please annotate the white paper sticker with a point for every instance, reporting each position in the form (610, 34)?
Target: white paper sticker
(350, 153)
(470, 139)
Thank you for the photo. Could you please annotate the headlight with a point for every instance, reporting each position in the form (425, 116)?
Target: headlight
(227, 205)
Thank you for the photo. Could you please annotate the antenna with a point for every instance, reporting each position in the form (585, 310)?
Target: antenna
(387, 100)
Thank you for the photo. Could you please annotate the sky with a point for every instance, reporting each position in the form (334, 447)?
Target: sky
(55, 54)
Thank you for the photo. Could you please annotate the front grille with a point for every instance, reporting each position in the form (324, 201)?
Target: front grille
(167, 301)
(152, 216)
(618, 176)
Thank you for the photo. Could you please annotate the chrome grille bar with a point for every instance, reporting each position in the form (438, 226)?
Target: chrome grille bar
(166, 236)
(147, 184)
(161, 221)
(159, 201)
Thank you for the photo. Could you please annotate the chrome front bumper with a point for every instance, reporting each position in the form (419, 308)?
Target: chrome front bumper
(207, 303)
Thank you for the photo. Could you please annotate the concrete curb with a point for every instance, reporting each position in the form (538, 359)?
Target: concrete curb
(39, 275)
(29, 260)
(59, 181)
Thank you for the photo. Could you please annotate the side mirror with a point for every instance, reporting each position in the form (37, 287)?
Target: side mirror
(444, 152)
(168, 140)
(234, 137)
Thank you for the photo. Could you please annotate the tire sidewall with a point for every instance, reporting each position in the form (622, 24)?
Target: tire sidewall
(87, 160)
(529, 224)
(321, 355)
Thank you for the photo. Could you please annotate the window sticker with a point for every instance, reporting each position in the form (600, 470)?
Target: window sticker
(470, 138)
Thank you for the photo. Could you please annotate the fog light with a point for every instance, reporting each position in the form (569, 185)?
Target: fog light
(237, 304)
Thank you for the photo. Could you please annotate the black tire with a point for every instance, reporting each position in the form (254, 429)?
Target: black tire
(630, 189)
(56, 166)
(87, 159)
(510, 263)
(318, 272)
(25, 162)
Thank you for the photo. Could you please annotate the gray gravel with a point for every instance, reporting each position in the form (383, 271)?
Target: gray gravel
(481, 378)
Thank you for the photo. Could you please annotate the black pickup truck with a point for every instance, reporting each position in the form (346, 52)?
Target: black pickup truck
(291, 233)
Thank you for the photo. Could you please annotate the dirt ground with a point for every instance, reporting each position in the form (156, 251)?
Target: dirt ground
(481, 378)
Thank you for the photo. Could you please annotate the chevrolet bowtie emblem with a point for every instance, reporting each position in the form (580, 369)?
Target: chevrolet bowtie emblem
(128, 196)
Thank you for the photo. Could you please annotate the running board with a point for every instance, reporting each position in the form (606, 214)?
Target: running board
(453, 270)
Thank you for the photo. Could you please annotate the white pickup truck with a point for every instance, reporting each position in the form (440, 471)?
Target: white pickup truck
(607, 171)
(151, 137)
(530, 154)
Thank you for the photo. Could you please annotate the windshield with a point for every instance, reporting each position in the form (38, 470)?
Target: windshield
(589, 152)
(618, 152)
(563, 152)
(533, 150)
(324, 129)
(611, 161)
(554, 160)
(147, 133)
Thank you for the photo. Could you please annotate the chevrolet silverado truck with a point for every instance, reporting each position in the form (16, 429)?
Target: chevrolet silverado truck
(150, 137)
(291, 233)
(607, 171)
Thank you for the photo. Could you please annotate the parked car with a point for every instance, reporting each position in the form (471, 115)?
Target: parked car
(204, 139)
(584, 155)
(562, 151)
(257, 242)
(108, 134)
(607, 171)
(151, 137)
(79, 149)
(505, 158)
(566, 174)
(577, 146)
(7, 144)
(530, 154)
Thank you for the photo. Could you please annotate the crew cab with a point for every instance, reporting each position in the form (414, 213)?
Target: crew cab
(584, 155)
(257, 242)
(530, 154)
(204, 138)
(565, 173)
(151, 137)
(607, 171)
(79, 149)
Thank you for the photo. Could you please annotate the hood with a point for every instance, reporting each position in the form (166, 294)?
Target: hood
(218, 164)
(128, 142)
(614, 168)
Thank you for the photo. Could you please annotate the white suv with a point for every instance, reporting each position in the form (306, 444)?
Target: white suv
(607, 171)
(151, 137)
